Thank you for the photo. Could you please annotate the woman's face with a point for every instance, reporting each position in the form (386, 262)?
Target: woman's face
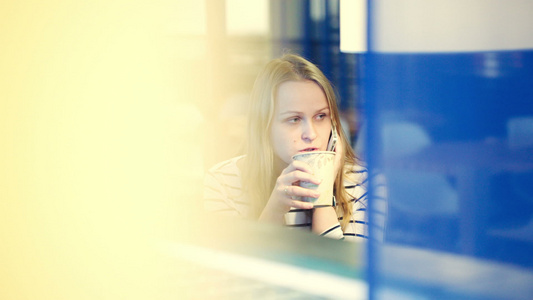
(301, 121)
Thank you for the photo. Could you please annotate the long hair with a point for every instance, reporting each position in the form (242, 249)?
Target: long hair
(258, 170)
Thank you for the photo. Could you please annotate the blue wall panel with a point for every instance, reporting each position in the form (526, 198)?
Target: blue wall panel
(452, 133)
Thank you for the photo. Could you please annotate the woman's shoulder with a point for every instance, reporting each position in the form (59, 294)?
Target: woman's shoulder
(355, 168)
(356, 172)
(228, 167)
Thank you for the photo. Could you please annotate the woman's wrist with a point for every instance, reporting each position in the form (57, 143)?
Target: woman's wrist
(323, 218)
(273, 214)
(332, 204)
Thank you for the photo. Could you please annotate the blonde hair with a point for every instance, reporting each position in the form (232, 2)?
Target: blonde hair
(258, 172)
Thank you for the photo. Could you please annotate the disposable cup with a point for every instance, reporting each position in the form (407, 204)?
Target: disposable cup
(322, 163)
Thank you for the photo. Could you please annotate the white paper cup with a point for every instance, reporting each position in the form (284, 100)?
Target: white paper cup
(322, 163)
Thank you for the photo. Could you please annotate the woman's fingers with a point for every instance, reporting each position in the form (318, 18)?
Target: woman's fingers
(298, 176)
(292, 199)
(299, 171)
(296, 191)
(289, 191)
(301, 204)
(297, 165)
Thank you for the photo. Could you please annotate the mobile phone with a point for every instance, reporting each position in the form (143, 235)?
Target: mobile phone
(332, 139)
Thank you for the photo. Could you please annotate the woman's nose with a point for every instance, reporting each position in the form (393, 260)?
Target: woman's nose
(309, 132)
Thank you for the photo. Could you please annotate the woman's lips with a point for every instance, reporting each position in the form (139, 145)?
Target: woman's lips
(309, 149)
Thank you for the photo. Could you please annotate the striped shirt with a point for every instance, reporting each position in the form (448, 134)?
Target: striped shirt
(223, 194)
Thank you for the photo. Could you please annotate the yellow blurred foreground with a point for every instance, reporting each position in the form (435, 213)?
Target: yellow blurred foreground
(100, 147)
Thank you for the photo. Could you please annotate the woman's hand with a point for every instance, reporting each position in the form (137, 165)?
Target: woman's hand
(287, 191)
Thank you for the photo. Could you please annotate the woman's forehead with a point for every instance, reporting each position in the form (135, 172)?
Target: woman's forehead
(303, 94)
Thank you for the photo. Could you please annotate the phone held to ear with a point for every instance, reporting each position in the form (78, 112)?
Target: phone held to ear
(332, 139)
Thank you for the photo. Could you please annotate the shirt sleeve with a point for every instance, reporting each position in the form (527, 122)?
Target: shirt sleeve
(334, 232)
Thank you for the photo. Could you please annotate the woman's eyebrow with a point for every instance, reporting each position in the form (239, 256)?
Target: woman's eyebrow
(290, 112)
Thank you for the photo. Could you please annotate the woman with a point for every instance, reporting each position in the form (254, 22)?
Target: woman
(293, 109)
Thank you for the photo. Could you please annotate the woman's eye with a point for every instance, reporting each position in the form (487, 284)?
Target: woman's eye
(294, 120)
(321, 116)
